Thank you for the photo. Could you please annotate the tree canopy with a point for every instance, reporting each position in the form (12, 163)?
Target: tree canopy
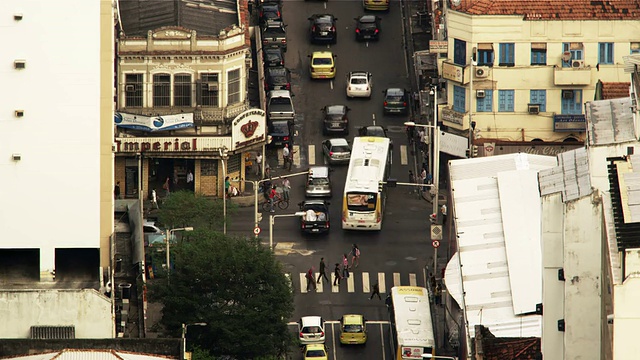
(237, 287)
(185, 208)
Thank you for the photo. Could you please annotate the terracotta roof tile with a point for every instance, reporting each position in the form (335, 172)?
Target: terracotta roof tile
(615, 90)
(495, 348)
(555, 9)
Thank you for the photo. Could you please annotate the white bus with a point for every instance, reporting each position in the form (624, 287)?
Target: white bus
(364, 196)
(411, 325)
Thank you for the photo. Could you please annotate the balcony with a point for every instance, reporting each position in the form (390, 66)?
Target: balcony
(579, 74)
(201, 115)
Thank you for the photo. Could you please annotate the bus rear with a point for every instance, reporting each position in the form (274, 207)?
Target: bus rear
(361, 211)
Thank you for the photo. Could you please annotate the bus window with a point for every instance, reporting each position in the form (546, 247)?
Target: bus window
(361, 202)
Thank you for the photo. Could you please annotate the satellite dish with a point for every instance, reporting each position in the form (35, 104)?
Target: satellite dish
(455, 2)
(566, 56)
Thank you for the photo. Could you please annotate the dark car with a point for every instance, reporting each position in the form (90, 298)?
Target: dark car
(367, 27)
(270, 11)
(277, 78)
(316, 216)
(375, 130)
(273, 57)
(274, 34)
(335, 119)
(323, 28)
(395, 101)
(281, 132)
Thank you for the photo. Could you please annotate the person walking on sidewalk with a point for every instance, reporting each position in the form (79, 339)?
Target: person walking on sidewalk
(376, 291)
(355, 256)
(116, 191)
(323, 273)
(310, 282)
(443, 210)
(336, 273)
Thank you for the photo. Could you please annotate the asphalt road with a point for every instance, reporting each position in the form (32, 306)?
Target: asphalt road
(398, 254)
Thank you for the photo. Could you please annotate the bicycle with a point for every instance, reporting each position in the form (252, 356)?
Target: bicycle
(278, 201)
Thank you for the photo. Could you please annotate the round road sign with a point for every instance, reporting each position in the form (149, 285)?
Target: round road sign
(256, 230)
(435, 243)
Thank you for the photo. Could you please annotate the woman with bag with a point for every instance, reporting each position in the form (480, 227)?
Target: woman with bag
(355, 256)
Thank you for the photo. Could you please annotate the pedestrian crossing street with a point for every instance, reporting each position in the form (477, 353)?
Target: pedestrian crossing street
(357, 282)
(300, 161)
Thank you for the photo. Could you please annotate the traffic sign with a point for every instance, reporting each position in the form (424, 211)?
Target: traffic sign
(435, 243)
(256, 230)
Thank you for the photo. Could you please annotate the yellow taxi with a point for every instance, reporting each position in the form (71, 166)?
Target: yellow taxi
(315, 352)
(322, 65)
(381, 5)
(353, 329)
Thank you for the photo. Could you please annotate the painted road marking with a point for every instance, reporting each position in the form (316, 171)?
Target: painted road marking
(381, 283)
(351, 284)
(404, 160)
(365, 282)
(412, 280)
(303, 283)
(312, 154)
(396, 279)
(367, 279)
(320, 284)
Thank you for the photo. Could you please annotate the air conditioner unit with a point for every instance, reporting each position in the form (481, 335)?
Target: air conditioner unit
(482, 72)
(129, 88)
(567, 94)
(480, 94)
(533, 109)
(212, 87)
(577, 63)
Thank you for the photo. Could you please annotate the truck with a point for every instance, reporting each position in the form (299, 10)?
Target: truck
(280, 106)
(316, 217)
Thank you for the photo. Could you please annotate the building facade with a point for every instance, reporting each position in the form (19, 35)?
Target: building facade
(521, 71)
(182, 107)
(57, 187)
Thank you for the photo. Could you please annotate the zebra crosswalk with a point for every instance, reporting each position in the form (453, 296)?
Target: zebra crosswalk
(300, 160)
(356, 282)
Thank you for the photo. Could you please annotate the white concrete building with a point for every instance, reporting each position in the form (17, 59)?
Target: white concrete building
(56, 163)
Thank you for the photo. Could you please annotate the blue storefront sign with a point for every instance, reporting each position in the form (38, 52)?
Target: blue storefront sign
(571, 123)
(153, 123)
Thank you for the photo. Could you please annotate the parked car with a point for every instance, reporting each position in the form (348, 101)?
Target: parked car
(318, 182)
(270, 11)
(395, 101)
(336, 151)
(359, 84)
(311, 330)
(281, 132)
(277, 78)
(280, 105)
(323, 28)
(322, 65)
(353, 329)
(315, 351)
(274, 34)
(367, 27)
(335, 119)
(316, 217)
(273, 57)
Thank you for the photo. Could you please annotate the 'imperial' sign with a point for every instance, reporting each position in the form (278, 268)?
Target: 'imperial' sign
(248, 128)
(179, 144)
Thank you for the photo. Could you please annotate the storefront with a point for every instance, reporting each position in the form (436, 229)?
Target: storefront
(195, 163)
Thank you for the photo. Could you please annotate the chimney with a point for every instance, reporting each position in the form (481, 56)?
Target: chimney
(244, 16)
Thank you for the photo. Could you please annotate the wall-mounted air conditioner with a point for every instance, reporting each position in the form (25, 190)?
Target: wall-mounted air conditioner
(577, 63)
(533, 109)
(129, 88)
(480, 94)
(212, 87)
(482, 71)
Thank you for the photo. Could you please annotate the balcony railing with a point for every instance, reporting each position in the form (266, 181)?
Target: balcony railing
(201, 115)
(579, 74)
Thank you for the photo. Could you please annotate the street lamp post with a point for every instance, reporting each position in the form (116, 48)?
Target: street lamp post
(223, 154)
(272, 219)
(184, 336)
(169, 231)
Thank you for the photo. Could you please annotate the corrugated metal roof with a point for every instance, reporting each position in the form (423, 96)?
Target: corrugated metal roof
(631, 191)
(207, 17)
(88, 354)
(631, 62)
(484, 204)
(609, 121)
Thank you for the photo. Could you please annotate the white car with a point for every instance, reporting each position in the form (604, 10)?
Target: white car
(311, 330)
(359, 84)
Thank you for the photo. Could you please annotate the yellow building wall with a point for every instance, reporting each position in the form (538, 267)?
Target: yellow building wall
(106, 131)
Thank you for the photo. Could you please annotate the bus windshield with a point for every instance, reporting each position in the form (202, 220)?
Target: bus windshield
(361, 201)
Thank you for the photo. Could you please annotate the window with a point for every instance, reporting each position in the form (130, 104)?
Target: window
(459, 99)
(209, 89)
(182, 90)
(505, 100)
(539, 97)
(234, 87)
(459, 52)
(233, 163)
(161, 90)
(635, 47)
(485, 104)
(133, 90)
(507, 54)
(575, 50)
(605, 53)
(538, 54)
(571, 102)
(485, 55)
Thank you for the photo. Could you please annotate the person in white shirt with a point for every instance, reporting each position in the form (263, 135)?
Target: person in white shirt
(189, 177)
(258, 163)
(285, 155)
(311, 215)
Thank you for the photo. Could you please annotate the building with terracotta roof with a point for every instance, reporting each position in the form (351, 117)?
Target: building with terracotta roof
(536, 64)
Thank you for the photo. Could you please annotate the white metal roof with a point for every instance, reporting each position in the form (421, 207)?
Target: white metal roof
(609, 121)
(87, 354)
(412, 313)
(571, 177)
(497, 213)
(368, 164)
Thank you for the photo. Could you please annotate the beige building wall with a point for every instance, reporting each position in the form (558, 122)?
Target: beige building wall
(519, 125)
(106, 132)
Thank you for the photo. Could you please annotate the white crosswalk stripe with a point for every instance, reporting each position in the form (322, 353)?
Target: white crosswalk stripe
(358, 282)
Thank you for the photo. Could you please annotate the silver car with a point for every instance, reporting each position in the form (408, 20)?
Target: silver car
(336, 151)
(318, 182)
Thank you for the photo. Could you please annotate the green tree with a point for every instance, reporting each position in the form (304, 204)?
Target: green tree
(237, 287)
(185, 208)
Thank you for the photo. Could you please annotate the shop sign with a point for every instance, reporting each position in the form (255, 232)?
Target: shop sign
(180, 144)
(572, 123)
(248, 128)
(452, 144)
(438, 46)
(153, 123)
(451, 116)
(490, 149)
(452, 72)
